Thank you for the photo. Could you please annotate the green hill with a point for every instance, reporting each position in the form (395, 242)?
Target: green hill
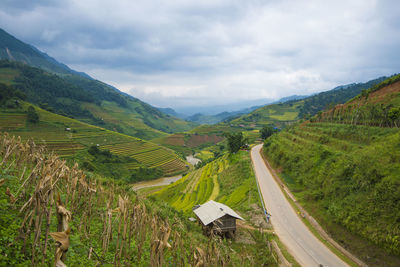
(71, 139)
(344, 167)
(68, 92)
(90, 101)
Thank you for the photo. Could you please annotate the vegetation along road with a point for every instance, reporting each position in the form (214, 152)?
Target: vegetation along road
(301, 243)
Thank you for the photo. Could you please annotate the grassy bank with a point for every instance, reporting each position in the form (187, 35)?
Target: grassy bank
(347, 176)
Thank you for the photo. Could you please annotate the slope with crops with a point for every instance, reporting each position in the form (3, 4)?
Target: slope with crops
(344, 167)
(188, 143)
(55, 214)
(228, 179)
(121, 154)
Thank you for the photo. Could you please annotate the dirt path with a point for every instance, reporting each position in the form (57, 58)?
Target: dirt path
(244, 225)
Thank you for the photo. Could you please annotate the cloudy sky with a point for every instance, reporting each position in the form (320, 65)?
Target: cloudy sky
(178, 52)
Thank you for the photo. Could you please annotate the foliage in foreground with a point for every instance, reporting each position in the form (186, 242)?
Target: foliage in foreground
(109, 225)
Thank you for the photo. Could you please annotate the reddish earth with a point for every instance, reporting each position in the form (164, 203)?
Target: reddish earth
(384, 94)
(197, 140)
(175, 140)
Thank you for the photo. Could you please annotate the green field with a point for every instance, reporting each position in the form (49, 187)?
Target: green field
(276, 114)
(51, 130)
(228, 179)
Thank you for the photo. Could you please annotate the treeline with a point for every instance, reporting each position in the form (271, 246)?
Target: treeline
(9, 96)
(382, 115)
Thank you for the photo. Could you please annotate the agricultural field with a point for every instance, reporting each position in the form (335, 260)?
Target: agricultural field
(51, 130)
(189, 143)
(275, 114)
(228, 179)
(100, 222)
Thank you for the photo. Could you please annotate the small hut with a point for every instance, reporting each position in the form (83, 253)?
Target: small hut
(217, 218)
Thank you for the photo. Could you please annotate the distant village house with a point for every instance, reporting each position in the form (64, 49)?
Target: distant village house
(217, 218)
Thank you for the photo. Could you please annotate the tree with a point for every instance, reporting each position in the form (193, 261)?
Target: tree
(235, 141)
(32, 115)
(394, 114)
(266, 131)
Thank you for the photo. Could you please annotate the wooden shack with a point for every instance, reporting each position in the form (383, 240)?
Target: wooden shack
(217, 218)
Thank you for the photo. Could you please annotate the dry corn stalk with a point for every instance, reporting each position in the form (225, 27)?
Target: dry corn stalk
(62, 245)
(62, 236)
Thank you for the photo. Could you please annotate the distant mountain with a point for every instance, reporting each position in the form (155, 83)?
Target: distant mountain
(202, 118)
(216, 109)
(172, 112)
(290, 98)
(213, 119)
(55, 87)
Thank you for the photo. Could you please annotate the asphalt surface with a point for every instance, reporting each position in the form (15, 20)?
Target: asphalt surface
(300, 242)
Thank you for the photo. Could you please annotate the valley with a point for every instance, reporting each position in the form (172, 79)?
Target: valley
(124, 176)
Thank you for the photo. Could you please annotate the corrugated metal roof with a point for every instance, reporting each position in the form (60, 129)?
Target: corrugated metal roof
(211, 211)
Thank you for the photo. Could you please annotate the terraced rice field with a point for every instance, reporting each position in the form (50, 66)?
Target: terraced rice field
(51, 131)
(228, 179)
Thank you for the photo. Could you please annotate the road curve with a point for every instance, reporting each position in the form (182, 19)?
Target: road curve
(298, 239)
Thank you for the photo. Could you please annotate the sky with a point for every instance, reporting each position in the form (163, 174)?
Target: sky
(181, 53)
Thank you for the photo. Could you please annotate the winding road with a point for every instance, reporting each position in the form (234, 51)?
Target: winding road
(300, 242)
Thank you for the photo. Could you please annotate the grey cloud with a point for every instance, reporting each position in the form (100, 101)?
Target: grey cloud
(214, 50)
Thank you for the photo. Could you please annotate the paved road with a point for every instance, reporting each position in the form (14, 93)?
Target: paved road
(301, 243)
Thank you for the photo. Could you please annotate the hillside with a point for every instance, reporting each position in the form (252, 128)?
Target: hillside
(187, 143)
(53, 212)
(228, 179)
(75, 94)
(344, 167)
(90, 101)
(51, 129)
(281, 114)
